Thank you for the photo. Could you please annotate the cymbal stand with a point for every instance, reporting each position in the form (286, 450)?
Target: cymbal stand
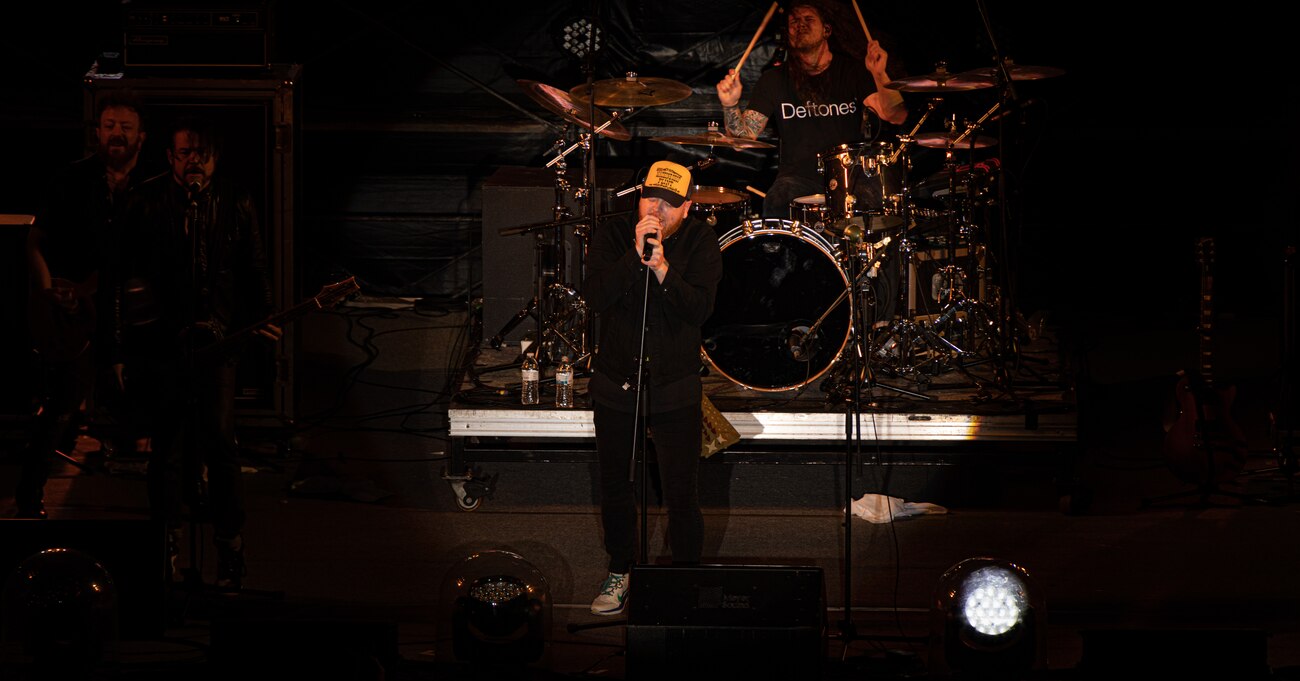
(909, 349)
(971, 319)
(558, 309)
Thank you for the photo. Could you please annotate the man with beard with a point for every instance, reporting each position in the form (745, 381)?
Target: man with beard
(661, 271)
(73, 254)
(200, 263)
(818, 98)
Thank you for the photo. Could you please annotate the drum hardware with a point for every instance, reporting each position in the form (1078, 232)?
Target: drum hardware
(560, 312)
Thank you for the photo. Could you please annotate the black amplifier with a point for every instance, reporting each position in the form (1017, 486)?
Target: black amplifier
(229, 35)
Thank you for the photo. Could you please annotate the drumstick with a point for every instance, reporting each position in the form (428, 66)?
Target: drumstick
(761, 194)
(754, 40)
(861, 20)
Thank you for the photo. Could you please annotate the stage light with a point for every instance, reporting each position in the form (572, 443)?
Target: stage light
(60, 616)
(500, 609)
(988, 621)
(577, 37)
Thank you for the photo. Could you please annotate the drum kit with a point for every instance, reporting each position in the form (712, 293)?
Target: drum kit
(879, 274)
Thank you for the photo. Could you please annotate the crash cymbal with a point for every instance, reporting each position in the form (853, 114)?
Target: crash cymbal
(558, 102)
(1016, 71)
(715, 139)
(940, 81)
(632, 91)
(942, 140)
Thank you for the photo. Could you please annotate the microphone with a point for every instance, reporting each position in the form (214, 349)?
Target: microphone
(194, 188)
(647, 249)
(801, 343)
(1013, 108)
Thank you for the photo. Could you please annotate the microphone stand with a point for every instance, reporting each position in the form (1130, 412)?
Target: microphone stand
(1006, 309)
(640, 421)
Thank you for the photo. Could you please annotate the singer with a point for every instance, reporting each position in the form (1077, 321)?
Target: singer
(652, 283)
(199, 263)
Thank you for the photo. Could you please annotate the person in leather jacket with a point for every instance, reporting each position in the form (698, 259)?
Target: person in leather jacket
(199, 276)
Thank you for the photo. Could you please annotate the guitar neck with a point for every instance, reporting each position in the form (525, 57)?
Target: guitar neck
(1206, 327)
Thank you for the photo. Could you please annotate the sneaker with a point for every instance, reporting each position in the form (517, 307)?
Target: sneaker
(230, 565)
(613, 595)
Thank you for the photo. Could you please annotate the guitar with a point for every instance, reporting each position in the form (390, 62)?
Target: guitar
(206, 346)
(62, 321)
(1204, 446)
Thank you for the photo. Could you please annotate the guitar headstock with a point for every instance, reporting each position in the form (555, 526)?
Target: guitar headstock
(333, 294)
(1205, 251)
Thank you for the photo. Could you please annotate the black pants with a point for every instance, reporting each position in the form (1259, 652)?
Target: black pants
(676, 439)
(195, 427)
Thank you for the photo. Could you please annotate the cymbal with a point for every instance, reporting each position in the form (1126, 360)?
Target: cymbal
(715, 139)
(940, 81)
(1017, 72)
(558, 102)
(632, 91)
(942, 140)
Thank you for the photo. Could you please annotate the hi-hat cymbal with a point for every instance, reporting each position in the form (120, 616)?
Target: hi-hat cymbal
(716, 139)
(943, 140)
(940, 81)
(558, 102)
(632, 91)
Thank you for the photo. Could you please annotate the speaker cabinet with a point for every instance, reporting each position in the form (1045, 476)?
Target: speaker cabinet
(516, 197)
(134, 552)
(718, 621)
(257, 117)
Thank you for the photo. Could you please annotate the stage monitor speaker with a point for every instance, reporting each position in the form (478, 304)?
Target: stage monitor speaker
(518, 197)
(134, 552)
(721, 621)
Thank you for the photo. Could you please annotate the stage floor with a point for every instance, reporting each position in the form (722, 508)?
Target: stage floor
(1023, 403)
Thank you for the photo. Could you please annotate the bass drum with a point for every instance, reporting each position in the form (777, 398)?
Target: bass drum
(778, 278)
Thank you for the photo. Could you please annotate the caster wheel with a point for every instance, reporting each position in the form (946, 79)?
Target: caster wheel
(468, 503)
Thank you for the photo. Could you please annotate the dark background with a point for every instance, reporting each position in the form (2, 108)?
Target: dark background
(1166, 126)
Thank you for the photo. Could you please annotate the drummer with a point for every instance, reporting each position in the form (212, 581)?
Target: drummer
(820, 97)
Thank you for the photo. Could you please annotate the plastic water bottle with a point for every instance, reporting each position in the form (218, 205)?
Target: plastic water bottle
(529, 392)
(564, 383)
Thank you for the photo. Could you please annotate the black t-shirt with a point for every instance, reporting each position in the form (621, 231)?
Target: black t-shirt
(806, 128)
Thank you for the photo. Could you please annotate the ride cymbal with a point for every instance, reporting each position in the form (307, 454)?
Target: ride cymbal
(941, 80)
(1016, 71)
(943, 140)
(715, 139)
(558, 102)
(632, 91)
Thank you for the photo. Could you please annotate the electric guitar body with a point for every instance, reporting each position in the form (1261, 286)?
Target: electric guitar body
(1203, 445)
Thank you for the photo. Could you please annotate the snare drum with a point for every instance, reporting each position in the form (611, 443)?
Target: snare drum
(810, 210)
(721, 207)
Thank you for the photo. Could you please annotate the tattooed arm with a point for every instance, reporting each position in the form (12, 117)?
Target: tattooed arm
(746, 123)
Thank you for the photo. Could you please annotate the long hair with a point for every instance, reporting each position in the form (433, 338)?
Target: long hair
(846, 41)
